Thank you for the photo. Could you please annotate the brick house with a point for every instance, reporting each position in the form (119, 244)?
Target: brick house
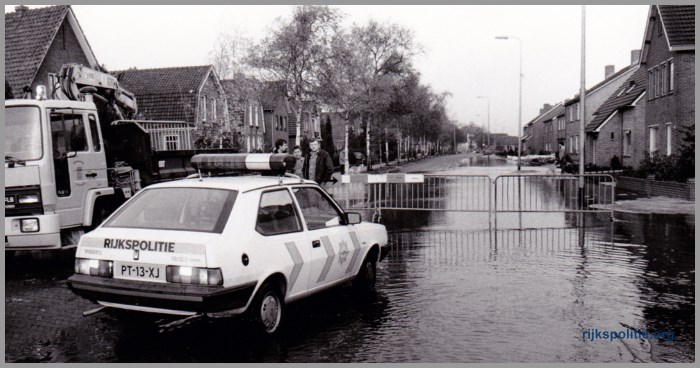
(617, 128)
(191, 94)
(538, 134)
(276, 113)
(595, 97)
(310, 126)
(338, 127)
(668, 57)
(246, 113)
(38, 42)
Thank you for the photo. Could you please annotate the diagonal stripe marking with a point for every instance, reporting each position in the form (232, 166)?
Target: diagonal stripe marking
(329, 260)
(298, 263)
(355, 252)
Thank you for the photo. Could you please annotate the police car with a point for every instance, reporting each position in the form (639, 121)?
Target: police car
(227, 245)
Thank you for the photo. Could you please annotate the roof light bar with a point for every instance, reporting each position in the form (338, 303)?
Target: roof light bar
(257, 162)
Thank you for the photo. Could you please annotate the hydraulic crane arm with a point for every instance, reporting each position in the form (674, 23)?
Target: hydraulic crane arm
(74, 77)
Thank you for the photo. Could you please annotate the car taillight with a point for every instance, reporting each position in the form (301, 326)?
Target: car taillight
(194, 275)
(94, 267)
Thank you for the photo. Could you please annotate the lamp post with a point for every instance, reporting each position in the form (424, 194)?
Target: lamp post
(488, 119)
(520, 95)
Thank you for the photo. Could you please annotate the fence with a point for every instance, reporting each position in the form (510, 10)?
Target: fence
(168, 135)
(553, 193)
(476, 193)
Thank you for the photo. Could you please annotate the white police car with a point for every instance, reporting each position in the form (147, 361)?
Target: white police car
(221, 246)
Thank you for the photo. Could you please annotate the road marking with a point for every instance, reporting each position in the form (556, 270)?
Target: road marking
(298, 263)
(355, 252)
(329, 260)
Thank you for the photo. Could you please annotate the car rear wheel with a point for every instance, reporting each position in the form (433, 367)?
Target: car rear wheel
(268, 307)
(367, 276)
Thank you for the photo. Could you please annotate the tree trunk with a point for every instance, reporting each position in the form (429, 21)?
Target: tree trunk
(369, 157)
(297, 140)
(346, 153)
(386, 145)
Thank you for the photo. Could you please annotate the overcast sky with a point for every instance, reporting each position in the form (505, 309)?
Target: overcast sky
(460, 53)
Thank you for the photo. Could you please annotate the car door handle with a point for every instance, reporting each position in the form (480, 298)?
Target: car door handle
(316, 243)
(91, 175)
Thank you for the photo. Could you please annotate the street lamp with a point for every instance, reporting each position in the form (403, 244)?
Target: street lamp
(520, 96)
(488, 119)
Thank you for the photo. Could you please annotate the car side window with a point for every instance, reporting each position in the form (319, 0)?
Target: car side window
(276, 214)
(319, 212)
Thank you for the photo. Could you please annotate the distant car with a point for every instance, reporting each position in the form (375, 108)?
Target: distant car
(222, 246)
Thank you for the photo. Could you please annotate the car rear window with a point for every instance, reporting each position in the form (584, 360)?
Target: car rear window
(184, 209)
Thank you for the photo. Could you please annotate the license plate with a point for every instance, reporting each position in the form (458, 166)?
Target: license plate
(134, 271)
(9, 202)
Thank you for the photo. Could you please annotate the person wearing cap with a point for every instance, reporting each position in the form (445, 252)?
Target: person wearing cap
(318, 165)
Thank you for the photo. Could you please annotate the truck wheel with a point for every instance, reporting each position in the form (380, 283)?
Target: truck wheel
(268, 307)
(366, 277)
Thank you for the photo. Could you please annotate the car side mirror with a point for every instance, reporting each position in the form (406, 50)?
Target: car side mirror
(71, 154)
(353, 218)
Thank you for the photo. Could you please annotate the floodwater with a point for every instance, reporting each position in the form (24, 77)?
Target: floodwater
(461, 287)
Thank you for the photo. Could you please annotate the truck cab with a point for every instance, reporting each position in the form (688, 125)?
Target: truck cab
(55, 166)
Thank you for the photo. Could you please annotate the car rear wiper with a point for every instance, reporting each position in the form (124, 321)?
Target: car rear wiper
(12, 161)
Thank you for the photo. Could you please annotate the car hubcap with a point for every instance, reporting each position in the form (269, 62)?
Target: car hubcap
(270, 312)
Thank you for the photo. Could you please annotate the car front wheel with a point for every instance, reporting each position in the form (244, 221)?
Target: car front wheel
(367, 276)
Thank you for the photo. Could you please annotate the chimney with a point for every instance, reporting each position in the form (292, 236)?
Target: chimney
(546, 107)
(20, 9)
(635, 56)
(609, 70)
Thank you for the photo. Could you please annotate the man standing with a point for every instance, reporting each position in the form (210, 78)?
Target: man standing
(318, 165)
(280, 146)
(299, 163)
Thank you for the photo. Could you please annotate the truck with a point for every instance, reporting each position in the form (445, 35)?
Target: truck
(75, 153)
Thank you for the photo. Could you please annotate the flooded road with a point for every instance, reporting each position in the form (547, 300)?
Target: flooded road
(454, 288)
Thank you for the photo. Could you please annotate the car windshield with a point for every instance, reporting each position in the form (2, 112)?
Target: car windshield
(22, 133)
(183, 209)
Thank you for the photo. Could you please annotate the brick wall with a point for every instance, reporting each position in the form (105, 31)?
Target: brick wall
(677, 107)
(64, 49)
(653, 188)
(633, 120)
(609, 142)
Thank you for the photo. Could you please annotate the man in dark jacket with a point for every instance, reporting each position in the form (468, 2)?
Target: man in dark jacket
(318, 165)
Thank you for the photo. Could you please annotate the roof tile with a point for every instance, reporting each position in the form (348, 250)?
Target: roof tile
(679, 22)
(28, 36)
(637, 83)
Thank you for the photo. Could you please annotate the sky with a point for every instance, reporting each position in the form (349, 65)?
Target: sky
(460, 54)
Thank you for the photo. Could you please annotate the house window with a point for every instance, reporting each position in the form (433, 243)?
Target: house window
(171, 142)
(627, 143)
(650, 87)
(203, 103)
(576, 144)
(250, 115)
(670, 75)
(664, 79)
(653, 140)
(657, 81)
(612, 136)
(669, 134)
(256, 115)
(213, 109)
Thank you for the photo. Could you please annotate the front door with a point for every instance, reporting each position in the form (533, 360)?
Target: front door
(79, 162)
(335, 246)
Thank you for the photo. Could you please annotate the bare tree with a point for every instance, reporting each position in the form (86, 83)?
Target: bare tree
(295, 52)
(230, 53)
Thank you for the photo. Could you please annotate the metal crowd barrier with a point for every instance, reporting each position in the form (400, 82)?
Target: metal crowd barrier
(476, 193)
(553, 193)
(458, 193)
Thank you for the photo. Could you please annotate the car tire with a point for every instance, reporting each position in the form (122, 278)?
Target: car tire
(366, 277)
(267, 309)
